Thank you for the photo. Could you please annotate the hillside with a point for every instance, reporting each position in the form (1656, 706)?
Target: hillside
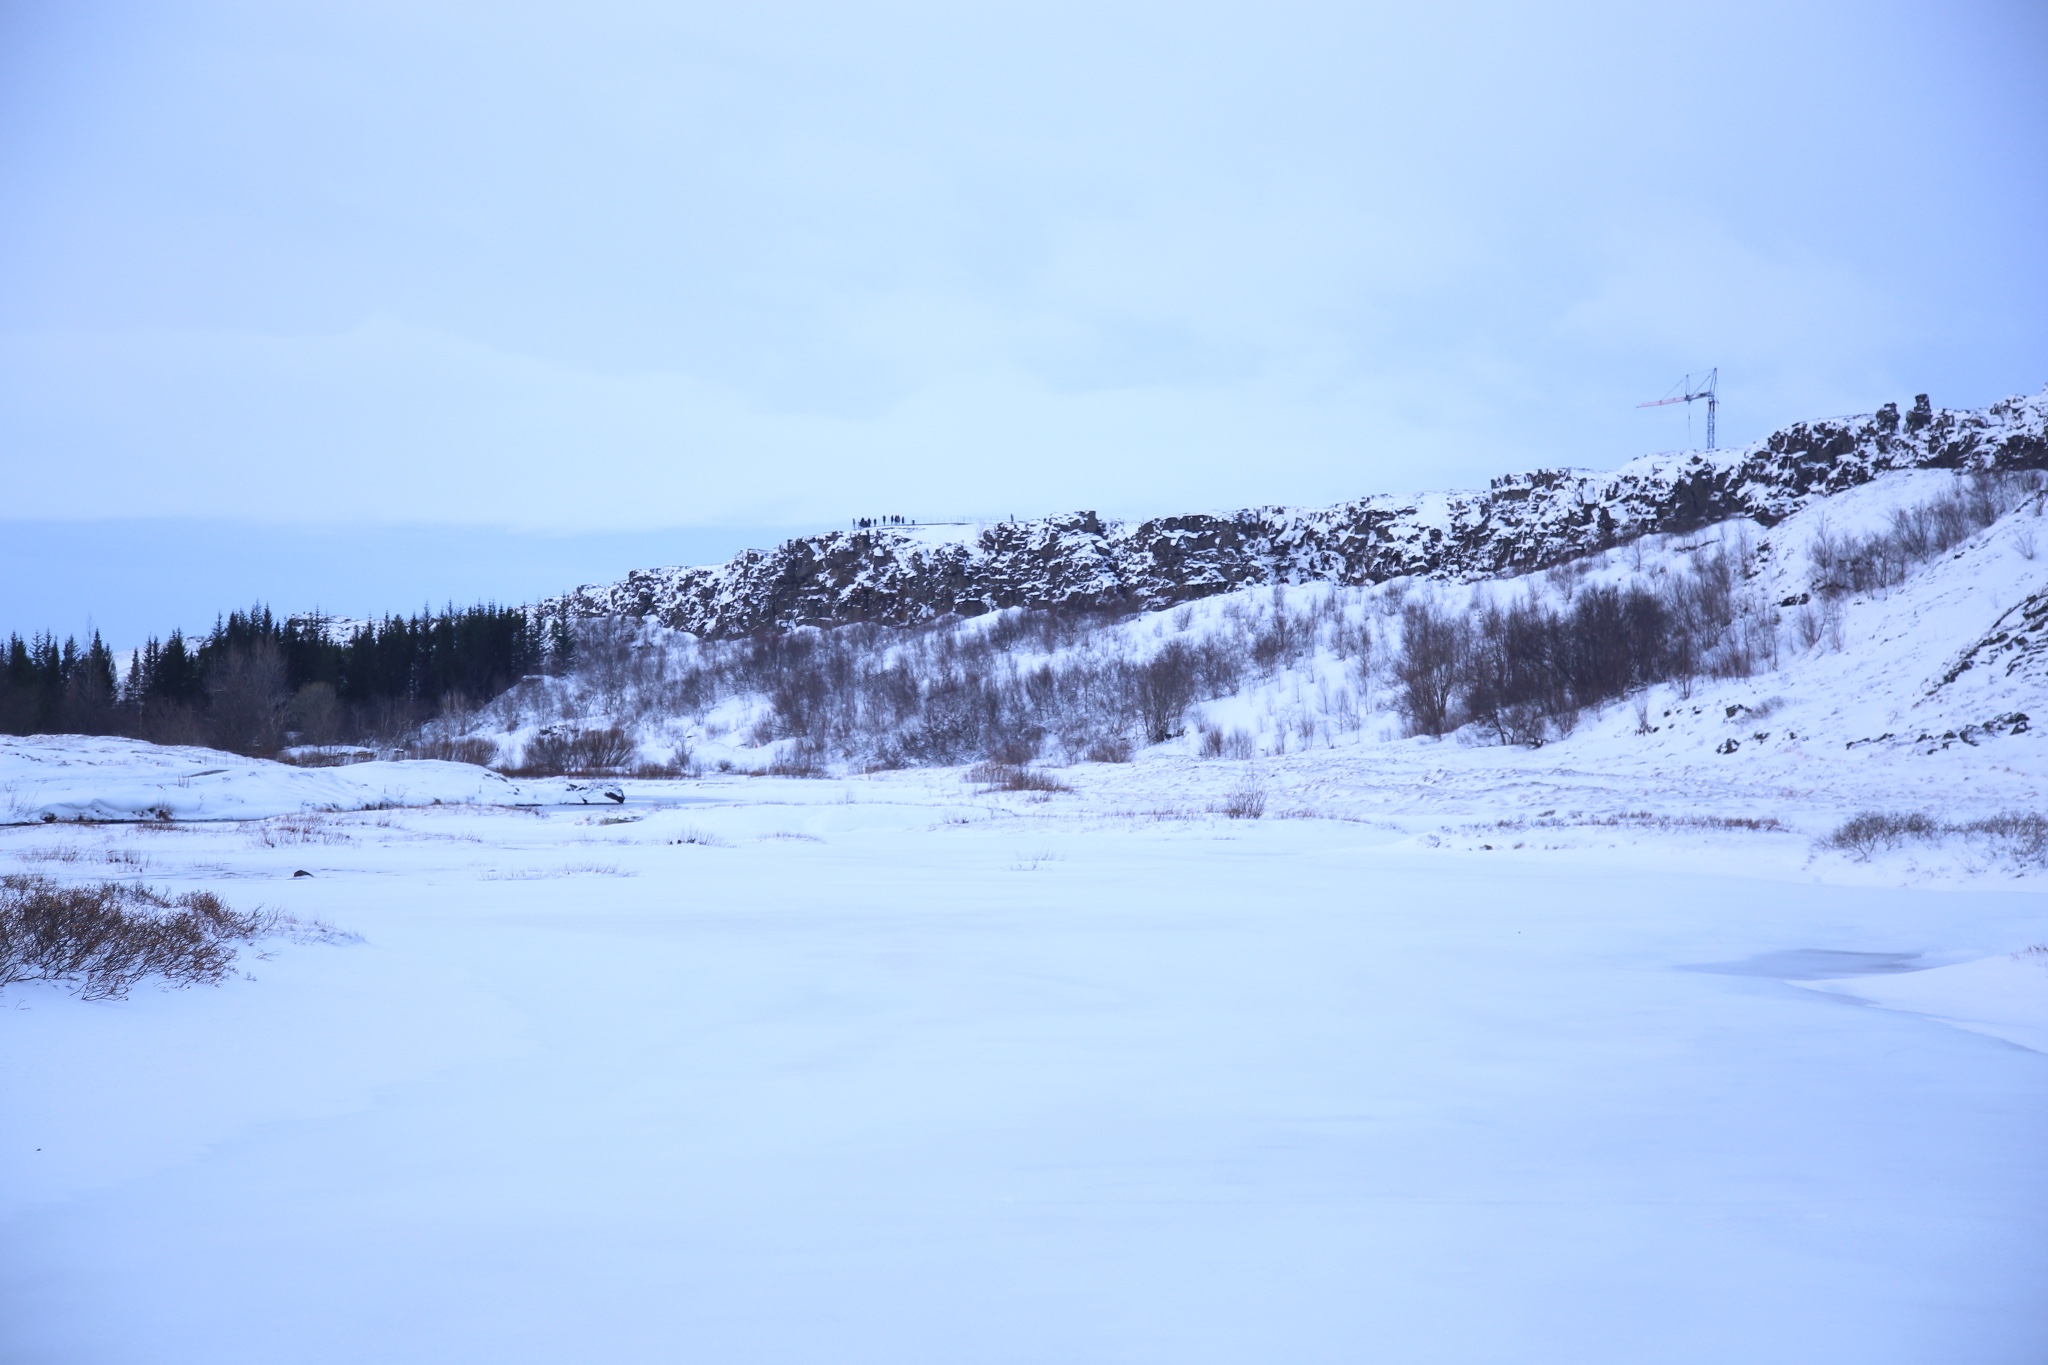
(1848, 659)
(1522, 522)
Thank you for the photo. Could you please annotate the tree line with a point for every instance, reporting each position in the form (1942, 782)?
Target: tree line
(256, 683)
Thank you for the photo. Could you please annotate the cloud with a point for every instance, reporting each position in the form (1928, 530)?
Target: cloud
(630, 266)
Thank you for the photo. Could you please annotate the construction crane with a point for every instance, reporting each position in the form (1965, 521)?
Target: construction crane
(1687, 394)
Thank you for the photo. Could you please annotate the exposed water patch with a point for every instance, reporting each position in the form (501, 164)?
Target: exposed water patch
(1814, 964)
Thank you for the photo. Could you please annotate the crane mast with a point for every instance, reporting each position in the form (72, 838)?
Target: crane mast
(1688, 393)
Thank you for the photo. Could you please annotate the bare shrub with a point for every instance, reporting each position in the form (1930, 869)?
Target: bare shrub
(1431, 659)
(473, 749)
(1808, 627)
(1011, 778)
(1843, 564)
(1865, 834)
(1634, 819)
(1247, 800)
(798, 760)
(1233, 743)
(576, 753)
(1162, 687)
(326, 756)
(246, 689)
(291, 830)
(2021, 836)
(941, 693)
(1526, 670)
(541, 874)
(314, 715)
(1018, 684)
(1108, 749)
(106, 938)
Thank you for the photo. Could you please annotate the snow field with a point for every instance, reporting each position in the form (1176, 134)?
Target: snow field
(99, 778)
(884, 1069)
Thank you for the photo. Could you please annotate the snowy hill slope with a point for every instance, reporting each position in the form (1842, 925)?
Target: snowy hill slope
(1918, 697)
(1920, 693)
(1522, 522)
(1836, 660)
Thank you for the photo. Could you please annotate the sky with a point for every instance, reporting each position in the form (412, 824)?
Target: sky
(531, 284)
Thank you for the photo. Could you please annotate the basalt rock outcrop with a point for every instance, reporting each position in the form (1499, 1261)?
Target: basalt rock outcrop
(1521, 522)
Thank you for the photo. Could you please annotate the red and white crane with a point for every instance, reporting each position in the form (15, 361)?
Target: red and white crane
(1685, 391)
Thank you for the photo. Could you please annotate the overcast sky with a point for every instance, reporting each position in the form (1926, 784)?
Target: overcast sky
(590, 267)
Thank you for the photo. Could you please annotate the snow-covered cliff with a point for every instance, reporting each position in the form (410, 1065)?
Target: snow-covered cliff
(1521, 522)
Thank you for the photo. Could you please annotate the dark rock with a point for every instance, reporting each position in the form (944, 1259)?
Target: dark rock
(1519, 523)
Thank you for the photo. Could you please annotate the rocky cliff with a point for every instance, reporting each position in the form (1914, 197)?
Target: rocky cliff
(1521, 522)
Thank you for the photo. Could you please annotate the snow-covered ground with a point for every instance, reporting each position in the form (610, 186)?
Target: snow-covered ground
(95, 778)
(1592, 1052)
(887, 1068)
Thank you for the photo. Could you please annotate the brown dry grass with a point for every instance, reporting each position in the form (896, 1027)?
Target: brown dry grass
(104, 938)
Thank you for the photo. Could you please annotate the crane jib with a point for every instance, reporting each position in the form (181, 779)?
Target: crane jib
(1688, 394)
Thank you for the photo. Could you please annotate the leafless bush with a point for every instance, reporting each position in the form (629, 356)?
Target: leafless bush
(569, 752)
(1024, 684)
(1163, 686)
(1844, 564)
(246, 689)
(1108, 749)
(1865, 834)
(541, 874)
(290, 830)
(1233, 743)
(2021, 836)
(1012, 778)
(1635, 819)
(1433, 645)
(104, 939)
(1808, 627)
(315, 714)
(1247, 800)
(326, 756)
(946, 692)
(461, 749)
(1527, 669)
(798, 760)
